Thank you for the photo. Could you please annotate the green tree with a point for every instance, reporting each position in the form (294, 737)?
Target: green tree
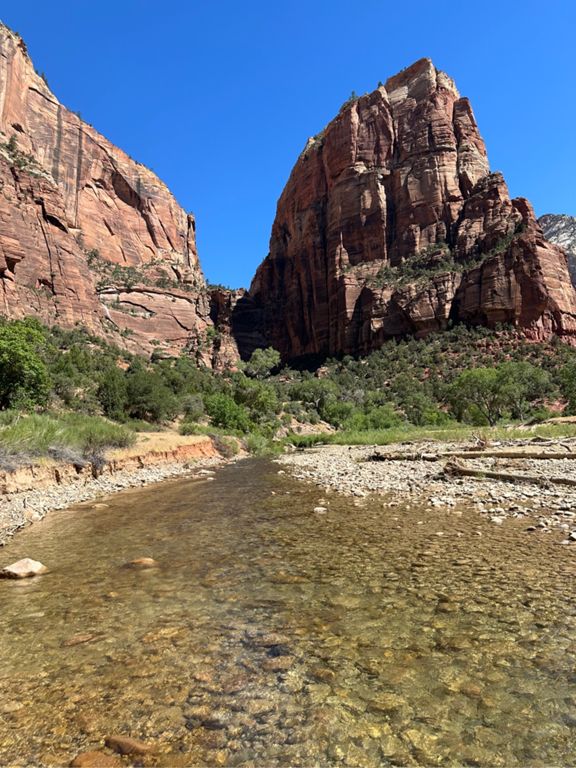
(476, 396)
(148, 398)
(225, 412)
(521, 384)
(262, 363)
(113, 393)
(567, 379)
(258, 397)
(24, 377)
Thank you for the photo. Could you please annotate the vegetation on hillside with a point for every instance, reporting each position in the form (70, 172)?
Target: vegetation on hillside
(68, 391)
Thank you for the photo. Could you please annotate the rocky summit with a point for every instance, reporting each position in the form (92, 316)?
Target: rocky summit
(88, 235)
(560, 229)
(392, 224)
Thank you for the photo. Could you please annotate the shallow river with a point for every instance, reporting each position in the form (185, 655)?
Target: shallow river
(273, 635)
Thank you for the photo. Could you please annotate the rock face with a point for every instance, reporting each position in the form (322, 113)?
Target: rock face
(88, 235)
(561, 230)
(392, 224)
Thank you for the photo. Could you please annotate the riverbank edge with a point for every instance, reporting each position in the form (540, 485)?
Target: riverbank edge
(415, 475)
(28, 493)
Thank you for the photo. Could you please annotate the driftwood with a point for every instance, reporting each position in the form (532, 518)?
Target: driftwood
(404, 457)
(470, 455)
(454, 469)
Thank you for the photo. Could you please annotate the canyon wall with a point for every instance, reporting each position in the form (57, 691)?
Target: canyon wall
(392, 224)
(88, 235)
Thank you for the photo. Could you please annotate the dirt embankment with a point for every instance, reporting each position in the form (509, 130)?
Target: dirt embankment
(29, 492)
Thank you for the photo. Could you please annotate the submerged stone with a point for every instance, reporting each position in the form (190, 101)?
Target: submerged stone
(23, 569)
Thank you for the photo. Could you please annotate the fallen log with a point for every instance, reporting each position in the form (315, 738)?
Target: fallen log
(543, 456)
(454, 469)
(403, 457)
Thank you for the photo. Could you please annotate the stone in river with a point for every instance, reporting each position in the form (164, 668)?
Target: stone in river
(125, 745)
(95, 760)
(143, 563)
(278, 664)
(79, 639)
(23, 569)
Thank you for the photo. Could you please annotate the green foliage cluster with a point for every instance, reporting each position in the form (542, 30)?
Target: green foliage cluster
(461, 376)
(472, 376)
(45, 433)
(117, 275)
(24, 378)
(18, 158)
(437, 259)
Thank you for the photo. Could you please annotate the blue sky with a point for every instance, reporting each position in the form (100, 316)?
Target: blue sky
(219, 97)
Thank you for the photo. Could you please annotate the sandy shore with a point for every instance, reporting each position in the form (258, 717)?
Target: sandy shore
(546, 505)
(30, 492)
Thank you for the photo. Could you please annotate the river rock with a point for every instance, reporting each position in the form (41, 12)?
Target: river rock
(95, 760)
(23, 569)
(125, 745)
(143, 563)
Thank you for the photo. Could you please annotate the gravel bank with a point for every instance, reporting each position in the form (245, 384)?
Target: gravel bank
(347, 469)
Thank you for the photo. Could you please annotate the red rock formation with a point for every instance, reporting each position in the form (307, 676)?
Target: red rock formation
(391, 224)
(67, 193)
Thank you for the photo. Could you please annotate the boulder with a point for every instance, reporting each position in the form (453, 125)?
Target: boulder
(23, 569)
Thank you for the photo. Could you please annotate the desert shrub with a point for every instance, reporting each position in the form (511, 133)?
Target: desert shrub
(192, 406)
(226, 446)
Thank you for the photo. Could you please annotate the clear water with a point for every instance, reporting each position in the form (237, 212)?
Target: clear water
(272, 635)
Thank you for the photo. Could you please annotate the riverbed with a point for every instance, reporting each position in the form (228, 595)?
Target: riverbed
(272, 634)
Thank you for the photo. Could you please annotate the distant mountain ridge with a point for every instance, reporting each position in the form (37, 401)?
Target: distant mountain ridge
(560, 229)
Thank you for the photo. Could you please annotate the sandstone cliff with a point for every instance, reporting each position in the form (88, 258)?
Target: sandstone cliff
(88, 235)
(561, 230)
(392, 224)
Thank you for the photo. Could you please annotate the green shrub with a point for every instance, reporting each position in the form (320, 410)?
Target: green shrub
(192, 406)
(225, 412)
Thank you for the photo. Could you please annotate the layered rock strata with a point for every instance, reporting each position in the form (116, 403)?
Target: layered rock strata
(392, 224)
(560, 229)
(88, 235)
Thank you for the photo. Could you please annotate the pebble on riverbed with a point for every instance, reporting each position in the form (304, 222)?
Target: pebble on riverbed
(125, 745)
(23, 569)
(95, 760)
(142, 563)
